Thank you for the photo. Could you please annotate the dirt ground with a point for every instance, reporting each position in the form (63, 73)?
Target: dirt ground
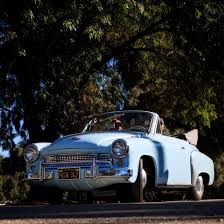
(123, 220)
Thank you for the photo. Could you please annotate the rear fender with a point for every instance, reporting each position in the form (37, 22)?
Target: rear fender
(201, 164)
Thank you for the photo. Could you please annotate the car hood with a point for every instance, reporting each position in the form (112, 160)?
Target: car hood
(88, 140)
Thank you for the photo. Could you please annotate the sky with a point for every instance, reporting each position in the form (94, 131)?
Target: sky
(17, 139)
(6, 153)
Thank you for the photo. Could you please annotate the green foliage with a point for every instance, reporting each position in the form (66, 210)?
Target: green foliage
(219, 164)
(56, 51)
(171, 70)
(13, 188)
(2, 196)
(63, 60)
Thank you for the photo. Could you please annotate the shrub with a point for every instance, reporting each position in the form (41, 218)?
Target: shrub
(13, 188)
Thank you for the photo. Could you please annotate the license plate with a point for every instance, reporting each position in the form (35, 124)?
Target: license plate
(69, 173)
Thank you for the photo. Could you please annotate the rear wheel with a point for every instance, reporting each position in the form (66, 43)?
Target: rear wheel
(198, 188)
(139, 185)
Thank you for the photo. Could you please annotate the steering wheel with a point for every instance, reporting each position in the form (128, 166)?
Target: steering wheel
(138, 128)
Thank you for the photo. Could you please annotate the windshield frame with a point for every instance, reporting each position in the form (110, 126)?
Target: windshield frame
(150, 128)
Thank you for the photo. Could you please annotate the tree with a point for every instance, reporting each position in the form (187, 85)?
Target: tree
(61, 61)
(171, 71)
(50, 47)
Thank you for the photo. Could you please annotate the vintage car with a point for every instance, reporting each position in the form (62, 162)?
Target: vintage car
(120, 153)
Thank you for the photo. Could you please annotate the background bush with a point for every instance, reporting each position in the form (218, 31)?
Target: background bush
(13, 188)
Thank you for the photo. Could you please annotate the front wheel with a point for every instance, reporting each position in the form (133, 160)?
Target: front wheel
(140, 183)
(198, 189)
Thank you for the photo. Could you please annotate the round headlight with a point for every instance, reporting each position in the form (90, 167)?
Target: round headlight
(31, 153)
(119, 148)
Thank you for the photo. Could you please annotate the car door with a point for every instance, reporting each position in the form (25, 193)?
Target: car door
(176, 158)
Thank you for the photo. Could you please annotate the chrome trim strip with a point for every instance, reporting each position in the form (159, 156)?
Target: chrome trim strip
(94, 169)
(125, 172)
(173, 186)
(82, 165)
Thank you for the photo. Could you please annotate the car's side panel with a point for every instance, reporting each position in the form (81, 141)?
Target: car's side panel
(177, 155)
(202, 164)
(172, 162)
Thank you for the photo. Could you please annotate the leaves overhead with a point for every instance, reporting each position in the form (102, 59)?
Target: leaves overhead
(63, 60)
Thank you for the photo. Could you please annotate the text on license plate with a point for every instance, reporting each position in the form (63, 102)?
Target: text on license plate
(69, 173)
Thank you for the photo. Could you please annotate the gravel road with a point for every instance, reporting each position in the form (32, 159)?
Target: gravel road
(123, 220)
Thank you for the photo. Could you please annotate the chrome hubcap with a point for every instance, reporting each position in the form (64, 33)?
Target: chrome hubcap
(199, 185)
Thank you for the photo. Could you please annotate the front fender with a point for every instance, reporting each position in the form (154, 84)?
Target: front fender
(147, 147)
(41, 145)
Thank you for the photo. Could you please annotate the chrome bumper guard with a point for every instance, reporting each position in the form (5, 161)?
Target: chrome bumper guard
(40, 177)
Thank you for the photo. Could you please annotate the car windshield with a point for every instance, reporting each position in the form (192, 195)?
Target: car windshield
(120, 121)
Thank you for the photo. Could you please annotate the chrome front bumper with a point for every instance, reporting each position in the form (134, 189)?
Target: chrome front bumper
(94, 173)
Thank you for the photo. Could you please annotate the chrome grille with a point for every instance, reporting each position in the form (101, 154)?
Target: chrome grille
(105, 157)
(76, 158)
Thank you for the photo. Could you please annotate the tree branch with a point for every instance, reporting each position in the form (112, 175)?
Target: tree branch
(8, 110)
(118, 50)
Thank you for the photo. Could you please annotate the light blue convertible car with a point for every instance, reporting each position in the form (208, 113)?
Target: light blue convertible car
(120, 153)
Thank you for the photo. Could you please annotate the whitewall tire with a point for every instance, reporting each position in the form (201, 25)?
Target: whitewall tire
(198, 188)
